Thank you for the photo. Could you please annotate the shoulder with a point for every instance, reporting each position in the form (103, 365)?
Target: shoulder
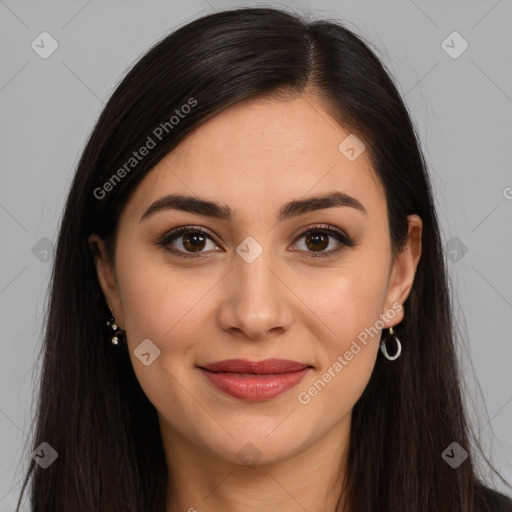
(495, 501)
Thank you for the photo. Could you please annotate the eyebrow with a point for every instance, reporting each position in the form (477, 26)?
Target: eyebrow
(215, 210)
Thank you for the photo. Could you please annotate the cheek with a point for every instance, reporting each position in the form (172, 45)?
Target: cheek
(345, 302)
(351, 304)
(162, 305)
(346, 354)
(159, 303)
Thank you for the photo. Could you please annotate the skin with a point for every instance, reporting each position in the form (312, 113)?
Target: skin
(254, 157)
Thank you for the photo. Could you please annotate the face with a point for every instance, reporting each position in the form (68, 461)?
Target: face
(270, 275)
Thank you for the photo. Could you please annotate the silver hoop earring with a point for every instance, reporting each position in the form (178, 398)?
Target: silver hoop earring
(384, 347)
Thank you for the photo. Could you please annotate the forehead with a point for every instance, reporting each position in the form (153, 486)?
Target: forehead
(263, 152)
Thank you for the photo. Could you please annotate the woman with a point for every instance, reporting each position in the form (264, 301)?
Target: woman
(249, 305)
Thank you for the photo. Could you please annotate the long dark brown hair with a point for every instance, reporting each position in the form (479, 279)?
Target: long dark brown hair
(91, 408)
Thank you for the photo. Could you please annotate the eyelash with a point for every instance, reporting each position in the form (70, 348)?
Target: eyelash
(341, 237)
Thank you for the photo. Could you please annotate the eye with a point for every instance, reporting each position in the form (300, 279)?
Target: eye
(317, 239)
(187, 241)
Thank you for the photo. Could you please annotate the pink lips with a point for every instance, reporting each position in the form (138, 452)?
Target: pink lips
(255, 380)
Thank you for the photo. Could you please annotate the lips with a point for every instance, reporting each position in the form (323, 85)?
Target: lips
(255, 367)
(255, 380)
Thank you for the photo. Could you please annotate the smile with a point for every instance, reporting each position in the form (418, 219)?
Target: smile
(255, 381)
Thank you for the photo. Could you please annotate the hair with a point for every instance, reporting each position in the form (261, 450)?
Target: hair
(91, 408)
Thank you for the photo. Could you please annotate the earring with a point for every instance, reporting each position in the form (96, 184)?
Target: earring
(116, 331)
(384, 348)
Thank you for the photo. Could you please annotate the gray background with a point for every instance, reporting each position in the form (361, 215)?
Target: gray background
(462, 108)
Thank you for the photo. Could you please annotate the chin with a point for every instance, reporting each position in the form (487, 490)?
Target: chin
(258, 445)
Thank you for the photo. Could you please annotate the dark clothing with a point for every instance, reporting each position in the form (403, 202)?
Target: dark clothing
(497, 502)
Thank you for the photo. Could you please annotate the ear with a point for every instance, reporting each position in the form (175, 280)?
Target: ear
(106, 277)
(404, 270)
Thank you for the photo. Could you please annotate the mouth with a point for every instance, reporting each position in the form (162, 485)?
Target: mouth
(255, 380)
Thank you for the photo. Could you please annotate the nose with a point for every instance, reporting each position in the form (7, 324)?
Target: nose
(256, 302)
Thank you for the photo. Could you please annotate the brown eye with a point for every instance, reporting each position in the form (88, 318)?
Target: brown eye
(188, 242)
(319, 238)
